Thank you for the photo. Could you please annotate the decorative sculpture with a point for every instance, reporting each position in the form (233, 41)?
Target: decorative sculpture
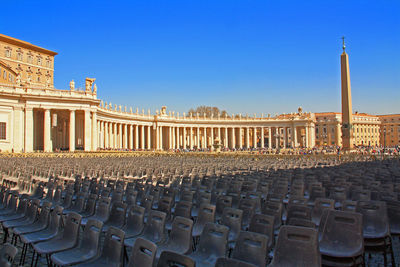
(72, 85)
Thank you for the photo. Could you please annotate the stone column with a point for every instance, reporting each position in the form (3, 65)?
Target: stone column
(130, 130)
(29, 130)
(269, 137)
(136, 136)
(277, 141)
(47, 146)
(161, 137)
(191, 137)
(115, 135)
(88, 131)
(94, 132)
(170, 137)
(125, 145)
(307, 137)
(119, 140)
(312, 129)
(262, 137)
(233, 138)
(198, 137)
(142, 138)
(184, 137)
(247, 137)
(284, 137)
(294, 136)
(212, 138)
(148, 137)
(105, 134)
(226, 143)
(72, 130)
(173, 138)
(255, 137)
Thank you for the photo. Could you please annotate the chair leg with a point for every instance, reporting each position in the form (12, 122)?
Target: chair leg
(33, 257)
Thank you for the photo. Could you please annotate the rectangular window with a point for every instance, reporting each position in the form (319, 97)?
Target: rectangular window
(3, 131)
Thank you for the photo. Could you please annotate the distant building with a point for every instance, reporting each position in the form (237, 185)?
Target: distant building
(33, 64)
(390, 129)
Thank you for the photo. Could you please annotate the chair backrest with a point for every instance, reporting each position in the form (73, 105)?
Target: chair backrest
(22, 206)
(263, 224)
(32, 210)
(172, 259)
(165, 205)
(55, 220)
(113, 245)
(147, 203)
(103, 208)
(393, 210)
(91, 204)
(131, 198)
(135, 219)
(206, 214)
(91, 236)
(43, 218)
(375, 219)
(154, 229)
(183, 209)
(7, 255)
(143, 253)
(68, 199)
(57, 194)
(222, 203)
(118, 213)
(248, 207)
(341, 227)
(12, 201)
(296, 246)
(213, 240)
(180, 237)
(321, 204)
(233, 219)
(251, 247)
(299, 211)
(117, 196)
(71, 229)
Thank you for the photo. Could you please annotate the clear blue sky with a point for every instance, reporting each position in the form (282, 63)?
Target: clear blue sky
(243, 56)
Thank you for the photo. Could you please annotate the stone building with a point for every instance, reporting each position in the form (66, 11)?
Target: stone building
(390, 129)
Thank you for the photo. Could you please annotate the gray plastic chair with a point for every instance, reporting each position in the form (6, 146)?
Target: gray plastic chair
(206, 215)
(79, 204)
(117, 216)
(102, 211)
(11, 200)
(20, 212)
(212, 245)
(52, 230)
(90, 206)
(111, 254)
(222, 203)
(172, 259)
(7, 255)
(296, 246)
(68, 239)
(135, 221)
(299, 211)
(251, 247)
(38, 225)
(263, 224)
(180, 238)
(183, 209)
(154, 229)
(233, 219)
(87, 250)
(275, 209)
(321, 204)
(341, 238)
(143, 253)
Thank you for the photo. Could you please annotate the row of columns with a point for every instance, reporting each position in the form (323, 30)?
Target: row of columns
(115, 135)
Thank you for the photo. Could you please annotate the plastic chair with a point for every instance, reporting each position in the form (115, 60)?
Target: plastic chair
(228, 262)
(233, 219)
(102, 211)
(20, 212)
(117, 216)
(39, 224)
(206, 215)
(111, 254)
(154, 229)
(135, 221)
(52, 230)
(263, 224)
(376, 229)
(275, 209)
(68, 240)
(298, 211)
(296, 246)
(393, 210)
(341, 238)
(222, 203)
(321, 204)
(87, 250)
(183, 209)
(251, 247)
(11, 200)
(180, 238)
(172, 259)
(143, 253)
(212, 245)
(248, 208)
(7, 255)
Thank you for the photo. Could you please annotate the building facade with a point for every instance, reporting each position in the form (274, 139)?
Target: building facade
(390, 129)
(328, 129)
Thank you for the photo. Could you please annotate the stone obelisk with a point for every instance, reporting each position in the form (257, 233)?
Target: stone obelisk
(347, 115)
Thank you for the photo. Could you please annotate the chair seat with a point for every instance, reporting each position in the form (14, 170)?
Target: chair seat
(37, 237)
(73, 256)
(99, 263)
(11, 216)
(52, 246)
(340, 250)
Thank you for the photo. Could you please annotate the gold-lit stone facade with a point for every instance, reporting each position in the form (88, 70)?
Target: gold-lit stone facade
(390, 129)
(33, 65)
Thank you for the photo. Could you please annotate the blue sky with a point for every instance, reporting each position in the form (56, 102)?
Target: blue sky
(243, 56)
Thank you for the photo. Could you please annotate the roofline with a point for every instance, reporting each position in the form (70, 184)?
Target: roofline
(388, 115)
(25, 44)
(8, 68)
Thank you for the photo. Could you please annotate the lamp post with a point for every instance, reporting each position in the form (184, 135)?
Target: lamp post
(384, 140)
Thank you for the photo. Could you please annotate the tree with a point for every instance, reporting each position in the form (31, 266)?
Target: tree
(208, 111)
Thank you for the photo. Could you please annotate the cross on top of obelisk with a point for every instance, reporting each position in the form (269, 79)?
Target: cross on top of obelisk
(344, 46)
